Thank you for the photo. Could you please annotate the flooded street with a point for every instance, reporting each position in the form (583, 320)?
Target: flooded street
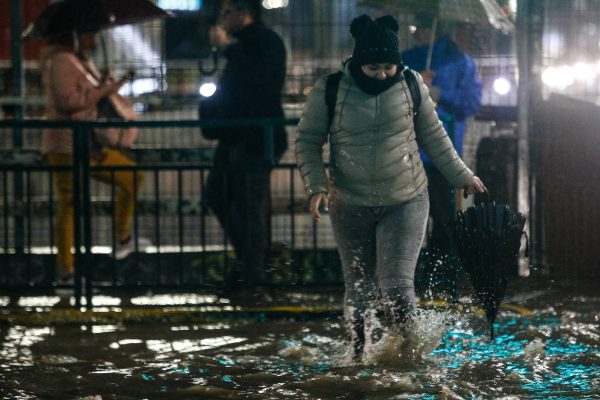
(547, 347)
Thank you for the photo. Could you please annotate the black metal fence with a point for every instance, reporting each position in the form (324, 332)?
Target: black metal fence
(189, 247)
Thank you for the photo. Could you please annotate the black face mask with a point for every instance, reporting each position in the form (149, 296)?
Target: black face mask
(372, 86)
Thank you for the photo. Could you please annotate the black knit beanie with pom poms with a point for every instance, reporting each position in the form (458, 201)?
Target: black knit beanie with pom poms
(376, 40)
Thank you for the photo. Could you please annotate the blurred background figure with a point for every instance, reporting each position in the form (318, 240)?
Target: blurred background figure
(250, 86)
(75, 90)
(456, 88)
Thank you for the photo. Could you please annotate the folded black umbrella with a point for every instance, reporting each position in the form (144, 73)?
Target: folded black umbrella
(488, 239)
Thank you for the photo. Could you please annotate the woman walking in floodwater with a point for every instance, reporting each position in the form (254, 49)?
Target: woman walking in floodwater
(377, 188)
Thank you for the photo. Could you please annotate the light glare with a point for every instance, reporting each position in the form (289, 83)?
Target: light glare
(139, 87)
(583, 71)
(185, 5)
(558, 77)
(207, 89)
(502, 86)
(271, 4)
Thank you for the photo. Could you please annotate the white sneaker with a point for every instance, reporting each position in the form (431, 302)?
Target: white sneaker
(65, 287)
(122, 250)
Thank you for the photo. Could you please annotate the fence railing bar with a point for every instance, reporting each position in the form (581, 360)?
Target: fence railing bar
(157, 224)
(87, 215)
(89, 254)
(51, 222)
(180, 223)
(113, 224)
(28, 224)
(136, 223)
(77, 223)
(203, 226)
(292, 209)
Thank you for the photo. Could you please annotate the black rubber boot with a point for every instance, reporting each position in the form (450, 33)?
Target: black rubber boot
(357, 338)
(398, 311)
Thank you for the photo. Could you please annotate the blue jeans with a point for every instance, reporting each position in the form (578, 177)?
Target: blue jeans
(379, 247)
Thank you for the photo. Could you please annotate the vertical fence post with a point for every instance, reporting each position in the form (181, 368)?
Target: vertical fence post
(4, 278)
(77, 223)
(17, 133)
(269, 141)
(88, 260)
(293, 257)
(157, 225)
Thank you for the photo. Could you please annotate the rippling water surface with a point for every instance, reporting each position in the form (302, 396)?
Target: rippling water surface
(551, 352)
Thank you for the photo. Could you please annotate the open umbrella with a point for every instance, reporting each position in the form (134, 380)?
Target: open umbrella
(481, 12)
(90, 15)
(488, 238)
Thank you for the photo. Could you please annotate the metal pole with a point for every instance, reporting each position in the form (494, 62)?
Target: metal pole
(269, 140)
(536, 56)
(77, 222)
(431, 44)
(17, 65)
(17, 136)
(86, 218)
(523, 117)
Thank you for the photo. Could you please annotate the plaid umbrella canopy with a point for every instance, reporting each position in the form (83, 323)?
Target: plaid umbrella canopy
(481, 12)
(472, 11)
(90, 15)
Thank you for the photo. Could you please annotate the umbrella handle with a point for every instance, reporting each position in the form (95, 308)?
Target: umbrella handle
(431, 43)
(214, 52)
(486, 192)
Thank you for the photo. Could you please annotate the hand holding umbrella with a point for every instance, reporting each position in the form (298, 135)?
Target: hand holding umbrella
(111, 86)
(474, 185)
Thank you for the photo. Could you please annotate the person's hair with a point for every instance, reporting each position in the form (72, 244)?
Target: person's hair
(252, 6)
(71, 38)
(63, 39)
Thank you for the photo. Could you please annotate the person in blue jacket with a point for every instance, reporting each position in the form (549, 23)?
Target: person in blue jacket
(456, 88)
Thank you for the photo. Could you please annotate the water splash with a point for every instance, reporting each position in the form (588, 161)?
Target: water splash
(551, 353)
(420, 337)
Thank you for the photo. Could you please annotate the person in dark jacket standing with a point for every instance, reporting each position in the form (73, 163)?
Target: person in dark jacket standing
(455, 86)
(250, 87)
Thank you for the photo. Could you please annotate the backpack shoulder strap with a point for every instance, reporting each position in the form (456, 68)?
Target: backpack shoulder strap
(333, 83)
(331, 89)
(413, 87)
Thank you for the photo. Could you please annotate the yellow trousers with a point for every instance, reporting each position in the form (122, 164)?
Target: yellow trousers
(124, 207)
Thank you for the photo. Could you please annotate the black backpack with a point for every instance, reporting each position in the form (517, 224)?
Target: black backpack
(333, 83)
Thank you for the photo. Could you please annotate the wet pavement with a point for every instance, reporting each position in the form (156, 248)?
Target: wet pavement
(291, 344)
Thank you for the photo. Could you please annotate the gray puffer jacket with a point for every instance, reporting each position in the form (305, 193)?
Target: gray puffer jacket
(374, 155)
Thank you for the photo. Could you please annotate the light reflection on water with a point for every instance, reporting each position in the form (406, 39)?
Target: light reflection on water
(553, 352)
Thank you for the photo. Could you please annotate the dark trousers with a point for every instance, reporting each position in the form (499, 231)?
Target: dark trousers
(237, 191)
(440, 264)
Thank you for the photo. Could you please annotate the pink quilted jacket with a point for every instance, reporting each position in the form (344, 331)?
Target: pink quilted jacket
(72, 95)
